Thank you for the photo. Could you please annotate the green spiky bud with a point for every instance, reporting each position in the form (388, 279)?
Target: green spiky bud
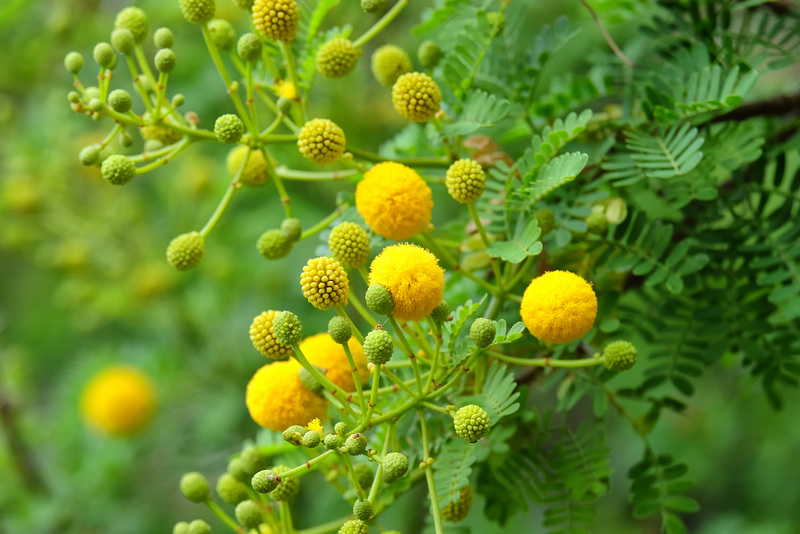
(198, 526)
(465, 181)
(294, 434)
(546, 219)
(230, 490)
(395, 465)
(339, 329)
(471, 422)
(95, 104)
(104, 55)
(238, 470)
(181, 527)
(355, 445)
(194, 487)
(73, 97)
(248, 514)
(73, 62)
(254, 459)
(163, 38)
(89, 155)
(482, 332)
(379, 299)
(619, 355)
(364, 475)
(118, 169)
(178, 100)
(389, 62)
(597, 223)
(311, 439)
(429, 54)
(265, 481)
(274, 245)
(354, 526)
(222, 33)
(292, 229)
(362, 510)
(120, 100)
(340, 428)
(337, 58)
(331, 442)
(288, 487)
(455, 512)
(122, 41)
(321, 141)
(134, 20)
(373, 6)
(229, 128)
(249, 47)
(165, 60)
(185, 251)
(287, 328)
(441, 313)
(349, 244)
(198, 11)
(378, 346)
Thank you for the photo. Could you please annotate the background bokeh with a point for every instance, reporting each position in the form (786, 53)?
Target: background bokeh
(84, 283)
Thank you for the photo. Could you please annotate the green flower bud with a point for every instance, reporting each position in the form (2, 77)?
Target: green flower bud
(429, 54)
(287, 328)
(373, 6)
(95, 104)
(265, 481)
(389, 62)
(482, 332)
(379, 299)
(229, 128)
(248, 514)
(254, 459)
(395, 465)
(104, 55)
(134, 20)
(331, 442)
(339, 329)
(178, 100)
(354, 526)
(441, 313)
(249, 47)
(465, 181)
(288, 487)
(546, 219)
(198, 11)
(73, 97)
(471, 422)
(364, 475)
(120, 100)
(238, 470)
(294, 434)
(308, 380)
(73, 62)
(163, 38)
(355, 445)
(362, 510)
(285, 105)
(118, 170)
(321, 141)
(349, 244)
(125, 138)
(90, 155)
(340, 428)
(185, 251)
(619, 355)
(247, 5)
(194, 487)
(222, 34)
(230, 490)
(378, 346)
(597, 223)
(181, 527)
(292, 229)
(455, 512)
(122, 41)
(311, 439)
(198, 526)
(165, 60)
(337, 58)
(92, 92)
(274, 245)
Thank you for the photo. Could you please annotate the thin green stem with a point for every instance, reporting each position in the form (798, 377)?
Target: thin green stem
(445, 141)
(226, 199)
(437, 347)
(321, 225)
(301, 470)
(341, 407)
(437, 163)
(292, 68)
(353, 479)
(437, 519)
(324, 528)
(421, 338)
(341, 311)
(271, 128)
(520, 273)
(163, 160)
(381, 24)
(373, 397)
(286, 518)
(322, 379)
(362, 311)
(138, 83)
(250, 100)
(402, 385)
(463, 369)
(314, 176)
(485, 238)
(451, 261)
(219, 512)
(546, 362)
(364, 274)
(376, 482)
(434, 407)
(356, 377)
(161, 88)
(411, 356)
(145, 66)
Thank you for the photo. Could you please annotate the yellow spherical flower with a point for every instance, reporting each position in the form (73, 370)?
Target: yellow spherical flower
(324, 283)
(394, 201)
(118, 401)
(286, 89)
(263, 337)
(276, 19)
(256, 172)
(413, 277)
(321, 141)
(559, 307)
(277, 399)
(324, 352)
(389, 62)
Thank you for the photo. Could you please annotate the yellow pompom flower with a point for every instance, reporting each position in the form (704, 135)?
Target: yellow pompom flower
(413, 277)
(559, 307)
(324, 352)
(277, 399)
(315, 425)
(324, 283)
(118, 401)
(263, 337)
(276, 19)
(394, 201)
(286, 89)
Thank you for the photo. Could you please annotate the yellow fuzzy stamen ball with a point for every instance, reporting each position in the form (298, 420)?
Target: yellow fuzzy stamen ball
(337, 58)
(416, 96)
(394, 201)
(324, 352)
(277, 399)
(118, 401)
(263, 337)
(321, 141)
(413, 277)
(559, 307)
(324, 283)
(276, 19)
(389, 62)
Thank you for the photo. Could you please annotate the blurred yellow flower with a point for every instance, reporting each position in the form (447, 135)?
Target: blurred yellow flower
(118, 401)
(559, 307)
(413, 277)
(285, 89)
(322, 351)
